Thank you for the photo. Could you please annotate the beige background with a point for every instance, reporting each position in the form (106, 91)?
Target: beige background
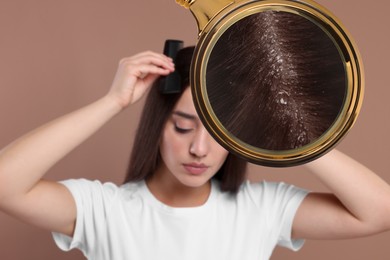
(56, 56)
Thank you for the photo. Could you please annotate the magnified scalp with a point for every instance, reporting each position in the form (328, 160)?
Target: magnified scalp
(276, 80)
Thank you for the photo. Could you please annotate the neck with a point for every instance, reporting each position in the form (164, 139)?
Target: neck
(170, 191)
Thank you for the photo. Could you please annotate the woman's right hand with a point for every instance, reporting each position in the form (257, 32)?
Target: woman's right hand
(136, 74)
(23, 163)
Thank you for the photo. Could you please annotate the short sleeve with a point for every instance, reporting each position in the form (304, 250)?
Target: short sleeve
(93, 200)
(291, 198)
(287, 199)
(280, 202)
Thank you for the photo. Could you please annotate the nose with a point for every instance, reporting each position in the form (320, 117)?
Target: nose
(200, 143)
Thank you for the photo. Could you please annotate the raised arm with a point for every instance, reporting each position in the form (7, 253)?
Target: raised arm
(23, 163)
(358, 206)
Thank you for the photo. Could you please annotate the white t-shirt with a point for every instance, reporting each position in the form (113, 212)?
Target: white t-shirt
(129, 223)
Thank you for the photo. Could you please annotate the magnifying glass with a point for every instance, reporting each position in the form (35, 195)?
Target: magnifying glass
(278, 83)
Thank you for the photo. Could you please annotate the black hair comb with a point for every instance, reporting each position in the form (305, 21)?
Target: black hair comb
(172, 83)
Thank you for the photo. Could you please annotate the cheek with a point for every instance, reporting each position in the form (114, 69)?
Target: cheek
(219, 152)
(170, 146)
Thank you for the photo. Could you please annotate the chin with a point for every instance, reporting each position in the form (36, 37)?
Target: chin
(194, 181)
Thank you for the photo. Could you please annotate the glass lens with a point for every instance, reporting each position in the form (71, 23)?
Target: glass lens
(276, 81)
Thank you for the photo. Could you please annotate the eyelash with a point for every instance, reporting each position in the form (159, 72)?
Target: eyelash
(181, 130)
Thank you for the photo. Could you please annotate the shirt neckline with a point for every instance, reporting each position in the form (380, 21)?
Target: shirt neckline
(157, 204)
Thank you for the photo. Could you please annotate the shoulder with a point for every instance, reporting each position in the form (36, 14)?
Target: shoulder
(265, 192)
(263, 187)
(131, 189)
(85, 185)
(96, 188)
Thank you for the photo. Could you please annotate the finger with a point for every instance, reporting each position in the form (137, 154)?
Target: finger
(149, 79)
(145, 69)
(153, 60)
(150, 54)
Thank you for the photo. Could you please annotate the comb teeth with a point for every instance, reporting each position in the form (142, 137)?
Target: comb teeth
(185, 3)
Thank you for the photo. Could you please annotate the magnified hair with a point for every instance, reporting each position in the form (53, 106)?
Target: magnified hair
(276, 80)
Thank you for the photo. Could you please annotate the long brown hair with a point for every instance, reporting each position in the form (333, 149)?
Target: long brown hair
(146, 155)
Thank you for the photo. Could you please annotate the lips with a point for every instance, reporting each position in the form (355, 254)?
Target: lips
(195, 168)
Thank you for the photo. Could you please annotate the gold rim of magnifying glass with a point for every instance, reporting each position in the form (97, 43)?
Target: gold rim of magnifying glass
(349, 54)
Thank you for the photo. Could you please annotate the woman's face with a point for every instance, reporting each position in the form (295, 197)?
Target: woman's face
(188, 151)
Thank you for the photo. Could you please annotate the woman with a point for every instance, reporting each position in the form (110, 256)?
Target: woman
(185, 201)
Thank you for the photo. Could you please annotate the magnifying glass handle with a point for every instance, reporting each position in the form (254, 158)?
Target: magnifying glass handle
(206, 10)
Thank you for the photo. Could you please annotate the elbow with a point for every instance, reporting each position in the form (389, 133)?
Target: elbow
(5, 189)
(387, 218)
(6, 197)
(3, 197)
(381, 222)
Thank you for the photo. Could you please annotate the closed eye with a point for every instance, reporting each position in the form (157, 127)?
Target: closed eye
(182, 130)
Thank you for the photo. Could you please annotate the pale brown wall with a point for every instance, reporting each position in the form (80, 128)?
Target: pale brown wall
(56, 56)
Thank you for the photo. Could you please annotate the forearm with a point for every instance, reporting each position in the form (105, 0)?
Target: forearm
(364, 194)
(24, 162)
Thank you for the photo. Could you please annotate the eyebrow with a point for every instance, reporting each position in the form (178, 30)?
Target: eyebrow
(185, 115)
